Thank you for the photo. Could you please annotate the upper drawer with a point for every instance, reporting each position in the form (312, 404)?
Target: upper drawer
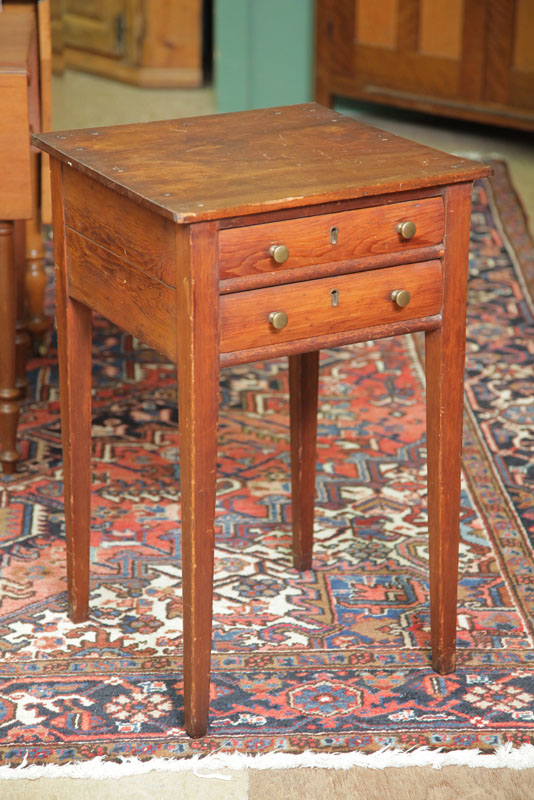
(330, 237)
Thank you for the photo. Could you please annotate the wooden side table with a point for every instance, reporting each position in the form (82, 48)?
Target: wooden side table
(233, 238)
(24, 201)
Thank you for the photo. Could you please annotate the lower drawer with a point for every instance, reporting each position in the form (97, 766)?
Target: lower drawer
(328, 305)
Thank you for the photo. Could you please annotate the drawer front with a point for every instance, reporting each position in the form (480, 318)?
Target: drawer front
(328, 305)
(326, 238)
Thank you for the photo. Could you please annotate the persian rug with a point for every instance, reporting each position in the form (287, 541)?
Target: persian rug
(333, 660)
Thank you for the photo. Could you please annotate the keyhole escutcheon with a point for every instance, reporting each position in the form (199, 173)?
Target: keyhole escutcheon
(333, 235)
(334, 295)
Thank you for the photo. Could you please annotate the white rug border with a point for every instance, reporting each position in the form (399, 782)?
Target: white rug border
(504, 757)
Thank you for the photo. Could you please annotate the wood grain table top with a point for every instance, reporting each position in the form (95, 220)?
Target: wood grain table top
(225, 165)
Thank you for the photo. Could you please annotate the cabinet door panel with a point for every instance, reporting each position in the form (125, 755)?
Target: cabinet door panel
(95, 25)
(462, 58)
(375, 23)
(172, 34)
(440, 28)
(510, 72)
(413, 47)
(523, 49)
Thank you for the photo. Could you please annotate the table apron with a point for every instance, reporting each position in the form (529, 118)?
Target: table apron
(146, 307)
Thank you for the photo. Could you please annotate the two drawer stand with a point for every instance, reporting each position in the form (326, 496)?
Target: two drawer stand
(238, 237)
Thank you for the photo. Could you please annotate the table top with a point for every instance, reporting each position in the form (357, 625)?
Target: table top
(225, 165)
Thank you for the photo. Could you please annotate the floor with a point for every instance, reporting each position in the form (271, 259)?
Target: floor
(81, 100)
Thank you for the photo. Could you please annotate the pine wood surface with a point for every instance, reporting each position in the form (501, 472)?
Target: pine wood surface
(303, 403)
(172, 37)
(19, 115)
(34, 279)
(460, 59)
(220, 166)
(9, 406)
(364, 300)
(45, 97)
(444, 367)
(343, 267)
(120, 262)
(132, 299)
(330, 340)
(22, 337)
(144, 42)
(197, 334)
(74, 350)
(359, 233)
(17, 44)
(99, 214)
(16, 30)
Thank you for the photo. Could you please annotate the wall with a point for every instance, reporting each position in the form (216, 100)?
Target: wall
(263, 53)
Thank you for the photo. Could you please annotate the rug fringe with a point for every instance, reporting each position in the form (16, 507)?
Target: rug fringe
(504, 756)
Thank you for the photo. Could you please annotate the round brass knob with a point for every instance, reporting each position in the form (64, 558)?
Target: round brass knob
(278, 319)
(401, 297)
(406, 229)
(279, 252)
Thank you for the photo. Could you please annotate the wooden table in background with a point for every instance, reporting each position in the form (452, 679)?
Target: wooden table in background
(145, 42)
(233, 238)
(24, 201)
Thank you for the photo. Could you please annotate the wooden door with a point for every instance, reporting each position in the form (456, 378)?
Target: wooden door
(171, 34)
(402, 51)
(510, 54)
(97, 26)
(57, 8)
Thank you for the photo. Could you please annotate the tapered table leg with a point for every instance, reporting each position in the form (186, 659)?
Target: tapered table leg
(445, 354)
(198, 398)
(74, 354)
(9, 406)
(303, 394)
(74, 345)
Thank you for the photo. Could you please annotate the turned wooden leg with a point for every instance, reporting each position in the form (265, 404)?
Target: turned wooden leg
(74, 355)
(303, 394)
(198, 397)
(35, 276)
(128, 348)
(9, 405)
(445, 351)
(22, 339)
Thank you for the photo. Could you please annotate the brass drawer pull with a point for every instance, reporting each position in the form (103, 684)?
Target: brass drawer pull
(279, 252)
(401, 297)
(406, 229)
(278, 319)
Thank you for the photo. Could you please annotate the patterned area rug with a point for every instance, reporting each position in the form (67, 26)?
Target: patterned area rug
(332, 660)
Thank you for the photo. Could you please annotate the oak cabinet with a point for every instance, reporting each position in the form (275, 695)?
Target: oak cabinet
(145, 42)
(461, 58)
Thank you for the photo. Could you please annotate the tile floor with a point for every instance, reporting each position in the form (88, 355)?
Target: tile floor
(82, 100)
